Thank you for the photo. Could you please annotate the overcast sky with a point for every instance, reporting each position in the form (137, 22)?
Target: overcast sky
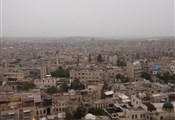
(95, 18)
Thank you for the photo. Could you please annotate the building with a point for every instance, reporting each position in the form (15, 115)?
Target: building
(134, 69)
(45, 82)
(13, 75)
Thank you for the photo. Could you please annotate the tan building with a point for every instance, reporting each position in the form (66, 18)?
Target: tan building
(45, 82)
(134, 69)
(102, 103)
(87, 74)
(113, 59)
(13, 75)
(159, 88)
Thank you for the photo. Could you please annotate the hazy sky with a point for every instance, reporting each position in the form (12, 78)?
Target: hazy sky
(101, 18)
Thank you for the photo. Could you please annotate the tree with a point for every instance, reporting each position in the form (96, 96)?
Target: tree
(99, 58)
(105, 85)
(118, 76)
(173, 77)
(69, 113)
(122, 78)
(52, 90)
(60, 72)
(77, 85)
(102, 96)
(121, 63)
(104, 88)
(96, 111)
(27, 85)
(145, 75)
(80, 112)
(166, 75)
(64, 87)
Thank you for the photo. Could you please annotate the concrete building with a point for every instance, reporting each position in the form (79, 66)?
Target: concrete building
(87, 74)
(45, 82)
(134, 69)
(13, 75)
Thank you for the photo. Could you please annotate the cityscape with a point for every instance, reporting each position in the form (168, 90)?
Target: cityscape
(87, 78)
(65, 66)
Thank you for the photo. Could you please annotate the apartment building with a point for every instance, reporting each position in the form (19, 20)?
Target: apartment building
(13, 75)
(87, 74)
(159, 88)
(18, 114)
(45, 82)
(134, 69)
(113, 59)
(102, 103)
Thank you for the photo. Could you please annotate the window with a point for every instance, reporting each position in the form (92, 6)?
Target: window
(136, 116)
(132, 116)
(143, 115)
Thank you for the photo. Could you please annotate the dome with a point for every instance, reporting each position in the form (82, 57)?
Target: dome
(168, 105)
(89, 116)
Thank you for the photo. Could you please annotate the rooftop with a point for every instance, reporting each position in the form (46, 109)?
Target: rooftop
(156, 67)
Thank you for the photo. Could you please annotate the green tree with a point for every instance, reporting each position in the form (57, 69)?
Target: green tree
(52, 90)
(69, 113)
(80, 112)
(26, 85)
(104, 88)
(102, 96)
(166, 75)
(105, 85)
(121, 63)
(173, 77)
(122, 78)
(99, 58)
(64, 87)
(118, 76)
(77, 85)
(145, 75)
(60, 72)
(96, 111)
(126, 79)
